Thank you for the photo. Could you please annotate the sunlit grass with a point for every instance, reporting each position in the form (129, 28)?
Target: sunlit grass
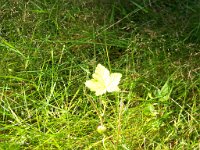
(49, 49)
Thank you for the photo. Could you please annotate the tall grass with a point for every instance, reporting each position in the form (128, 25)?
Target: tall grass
(48, 49)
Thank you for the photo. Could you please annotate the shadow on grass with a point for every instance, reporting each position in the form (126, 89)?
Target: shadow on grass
(180, 19)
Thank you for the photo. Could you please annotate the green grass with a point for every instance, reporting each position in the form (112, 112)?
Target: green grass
(49, 49)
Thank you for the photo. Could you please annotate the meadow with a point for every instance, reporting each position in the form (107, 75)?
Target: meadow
(49, 49)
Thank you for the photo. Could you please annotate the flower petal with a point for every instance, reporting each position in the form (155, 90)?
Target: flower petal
(114, 81)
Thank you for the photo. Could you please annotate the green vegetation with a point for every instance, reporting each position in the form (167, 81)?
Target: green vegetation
(48, 49)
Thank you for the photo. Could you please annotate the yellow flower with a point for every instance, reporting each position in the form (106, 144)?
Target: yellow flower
(103, 81)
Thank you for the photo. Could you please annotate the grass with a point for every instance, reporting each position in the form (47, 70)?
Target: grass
(49, 49)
